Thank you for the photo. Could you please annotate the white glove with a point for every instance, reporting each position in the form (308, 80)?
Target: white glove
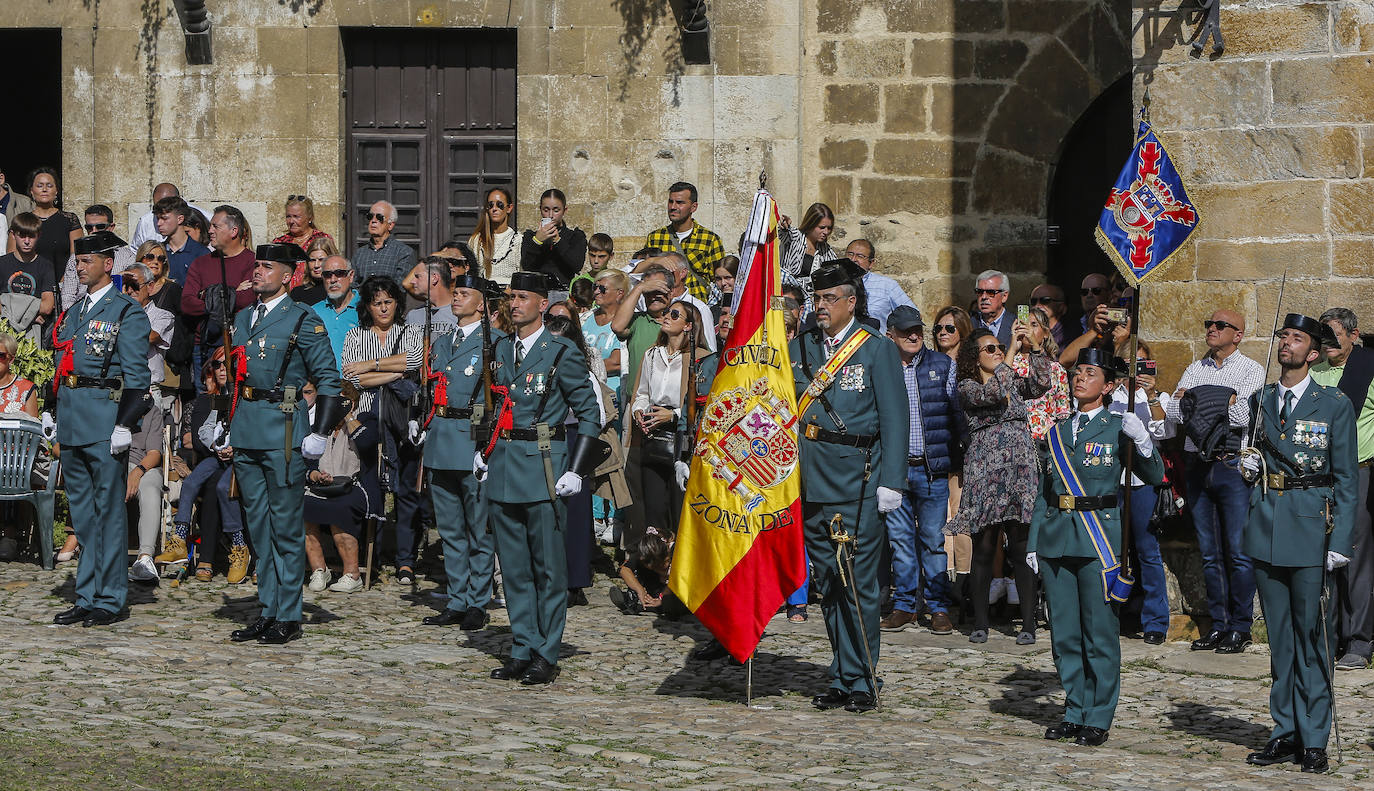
(49, 427)
(889, 500)
(569, 485)
(120, 440)
(312, 447)
(417, 436)
(479, 466)
(1335, 560)
(681, 470)
(1251, 462)
(1133, 428)
(1033, 562)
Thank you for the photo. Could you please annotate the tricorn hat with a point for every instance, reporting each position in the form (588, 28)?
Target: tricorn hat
(1320, 332)
(529, 281)
(470, 281)
(840, 272)
(1111, 365)
(284, 253)
(104, 242)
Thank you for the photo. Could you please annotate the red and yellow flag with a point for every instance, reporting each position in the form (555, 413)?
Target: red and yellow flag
(739, 544)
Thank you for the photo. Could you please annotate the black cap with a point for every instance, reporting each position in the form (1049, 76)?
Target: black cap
(1111, 365)
(284, 253)
(840, 272)
(471, 281)
(530, 281)
(904, 318)
(104, 242)
(1321, 333)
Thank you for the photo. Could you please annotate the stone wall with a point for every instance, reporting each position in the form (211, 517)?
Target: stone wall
(1276, 140)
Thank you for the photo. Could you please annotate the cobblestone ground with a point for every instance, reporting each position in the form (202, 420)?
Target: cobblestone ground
(372, 699)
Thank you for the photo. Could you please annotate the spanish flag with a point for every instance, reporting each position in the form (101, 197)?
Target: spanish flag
(739, 547)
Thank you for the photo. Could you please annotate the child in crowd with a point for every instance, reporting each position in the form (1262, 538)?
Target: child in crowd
(645, 573)
(600, 251)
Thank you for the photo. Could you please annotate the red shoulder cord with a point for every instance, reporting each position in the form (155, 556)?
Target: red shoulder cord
(68, 364)
(505, 417)
(440, 381)
(238, 372)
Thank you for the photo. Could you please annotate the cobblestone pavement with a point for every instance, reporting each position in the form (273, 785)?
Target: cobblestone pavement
(370, 698)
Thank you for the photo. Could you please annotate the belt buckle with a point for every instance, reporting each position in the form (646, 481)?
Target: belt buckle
(70, 380)
(505, 433)
(812, 431)
(248, 392)
(1277, 480)
(1067, 502)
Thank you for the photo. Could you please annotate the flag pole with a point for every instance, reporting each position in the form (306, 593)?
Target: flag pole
(749, 682)
(765, 293)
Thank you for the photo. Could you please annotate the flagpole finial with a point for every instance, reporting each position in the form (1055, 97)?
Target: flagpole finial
(763, 179)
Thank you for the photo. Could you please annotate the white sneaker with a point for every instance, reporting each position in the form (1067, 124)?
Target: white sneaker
(599, 526)
(1012, 596)
(997, 590)
(347, 584)
(498, 595)
(319, 579)
(143, 569)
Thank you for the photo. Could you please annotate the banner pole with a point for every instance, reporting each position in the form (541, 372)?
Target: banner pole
(749, 682)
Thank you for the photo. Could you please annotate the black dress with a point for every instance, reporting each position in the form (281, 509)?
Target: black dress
(308, 293)
(55, 240)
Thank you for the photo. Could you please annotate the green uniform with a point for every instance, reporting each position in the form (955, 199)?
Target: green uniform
(1084, 631)
(1288, 536)
(869, 398)
(526, 517)
(109, 342)
(285, 349)
(449, 449)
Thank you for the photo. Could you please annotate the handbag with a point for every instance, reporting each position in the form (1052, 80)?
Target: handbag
(658, 447)
(338, 486)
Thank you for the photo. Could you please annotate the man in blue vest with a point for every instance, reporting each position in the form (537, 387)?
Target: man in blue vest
(283, 345)
(916, 529)
(102, 394)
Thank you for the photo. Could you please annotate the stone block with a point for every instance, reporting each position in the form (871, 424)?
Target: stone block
(1043, 16)
(187, 107)
(1354, 27)
(1008, 183)
(581, 109)
(1000, 59)
(325, 105)
(1060, 79)
(1171, 358)
(1309, 296)
(532, 105)
(1232, 261)
(1176, 310)
(873, 57)
(1280, 29)
(1285, 152)
(1352, 206)
(946, 16)
(1352, 257)
(532, 44)
(939, 197)
(117, 52)
(836, 16)
(851, 103)
(1220, 94)
(827, 58)
(1266, 208)
(535, 168)
(942, 57)
(567, 50)
(837, 192)
(324, 179)
(324, 55)
(284, 49)
(1023, 123)
(754, 107)
(1339, 89)
(964, 109)
(129, 181)
(904, 108)
(235, 51)
(766, 50)
(1367, 147)
(844, 154)
(751, 12)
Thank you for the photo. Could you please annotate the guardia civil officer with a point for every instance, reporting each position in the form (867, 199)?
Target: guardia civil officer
(102, 394)
(530, 469)
(1075, 542)
(1302, 522)
(853, 426)
(459, 359)
(282, 344)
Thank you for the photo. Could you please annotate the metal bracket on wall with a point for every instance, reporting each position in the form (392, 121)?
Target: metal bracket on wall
(195, 24)
(695, 30)
(1207, 15)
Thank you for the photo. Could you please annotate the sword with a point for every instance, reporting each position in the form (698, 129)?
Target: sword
(845, 561)
(1258, 417)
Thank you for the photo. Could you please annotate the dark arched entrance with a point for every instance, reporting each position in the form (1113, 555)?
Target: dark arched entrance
(1089, 159)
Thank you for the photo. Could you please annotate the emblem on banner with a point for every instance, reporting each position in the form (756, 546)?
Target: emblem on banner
(748, 440)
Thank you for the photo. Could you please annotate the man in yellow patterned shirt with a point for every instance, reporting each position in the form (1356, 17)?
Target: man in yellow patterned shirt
(684, 235)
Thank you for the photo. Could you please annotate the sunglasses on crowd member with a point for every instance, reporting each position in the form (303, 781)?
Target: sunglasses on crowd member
(1095, 291)
(1220, 325)
(496, 204)
(92, 227)
(161, 259)
(950, 328)
(676, 314)
(131, 284)
(294, 198)
(1044, 300)
(379, 217)
(987, 292)
(991, 348)
(5, 357)
(600, 288)
(332, 273)
(215, 365)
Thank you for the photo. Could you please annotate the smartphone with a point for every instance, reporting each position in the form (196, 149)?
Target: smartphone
(1023, 313)
(544, 221)
(1146, 367)
(1117, 315)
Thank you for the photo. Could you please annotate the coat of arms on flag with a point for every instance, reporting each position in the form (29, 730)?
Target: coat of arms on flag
(1148, 215)
(748, 439)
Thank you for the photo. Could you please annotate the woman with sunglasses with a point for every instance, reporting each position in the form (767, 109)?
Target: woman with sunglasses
(1000, 465)
(952, 326)
(18, 396)
(164, 292)
(495, 241)
(311, 288)
(553, 248)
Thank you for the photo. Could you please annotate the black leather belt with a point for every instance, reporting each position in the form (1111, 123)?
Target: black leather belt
(453, 413)
(557, 433)
(73, 381)
(1278, 480)
(1068, 502)
(262, 394)
(814, 432)
(915, 461)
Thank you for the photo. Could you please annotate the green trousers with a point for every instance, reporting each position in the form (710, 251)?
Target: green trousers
(1086, 638)
(274, 516)
(468, 544)
(96, 482)
(849, 665)
(534, 571)
(1300, 699)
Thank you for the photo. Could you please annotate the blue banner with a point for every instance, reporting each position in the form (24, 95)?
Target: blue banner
(1148, 216)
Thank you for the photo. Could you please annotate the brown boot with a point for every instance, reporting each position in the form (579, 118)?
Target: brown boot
(173, 552)
(897, 621)
(204, 573)
(940, 624)
(238, 565)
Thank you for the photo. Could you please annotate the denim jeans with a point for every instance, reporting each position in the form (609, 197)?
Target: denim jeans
(231, 520)
(915, 531)
(1219, 501)
(1154, 611)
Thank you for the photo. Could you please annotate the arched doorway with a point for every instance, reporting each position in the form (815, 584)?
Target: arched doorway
(1089, 160)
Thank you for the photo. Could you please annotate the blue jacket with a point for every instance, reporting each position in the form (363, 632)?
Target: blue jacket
(940, 416)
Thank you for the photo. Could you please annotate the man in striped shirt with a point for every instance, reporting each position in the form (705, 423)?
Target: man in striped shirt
(1218, 498)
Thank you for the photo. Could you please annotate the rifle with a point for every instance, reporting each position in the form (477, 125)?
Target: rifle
(426, 382)
(227, 343)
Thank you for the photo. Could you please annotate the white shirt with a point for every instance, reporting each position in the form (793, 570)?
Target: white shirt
(1297, 390)
(660, 380)
(95, 297)
(147, 226)
(271, 306)
(526, 344)
(467, 329)
(1078, 416)
(164, 324)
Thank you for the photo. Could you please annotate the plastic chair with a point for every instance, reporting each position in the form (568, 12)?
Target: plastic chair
(20, 441)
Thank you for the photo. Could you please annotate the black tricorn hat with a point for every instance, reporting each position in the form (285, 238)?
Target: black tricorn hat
(1320, 332)
(103, 242)
(471, 281)
(284, 253)
(1111, 365)
(529, 281)
(840, 272)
